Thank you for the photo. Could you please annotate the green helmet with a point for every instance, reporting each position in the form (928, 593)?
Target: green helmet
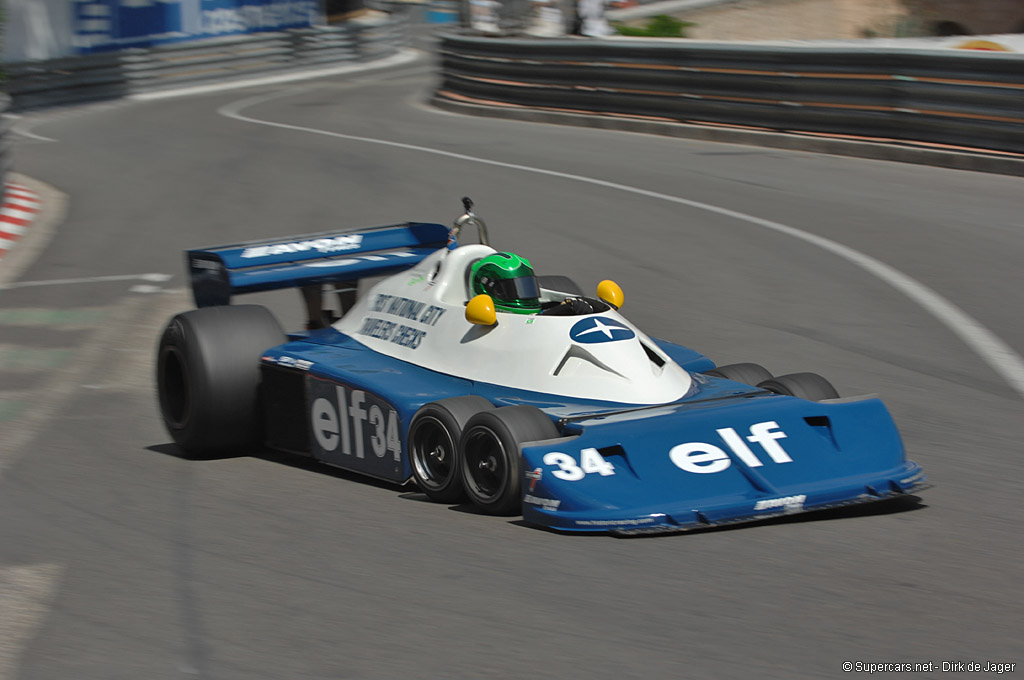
(510, 282)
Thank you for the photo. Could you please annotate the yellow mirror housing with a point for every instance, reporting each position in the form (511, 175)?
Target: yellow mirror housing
(480, 311)
(610, 292)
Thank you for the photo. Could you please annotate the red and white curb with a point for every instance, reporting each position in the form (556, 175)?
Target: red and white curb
(19, 209)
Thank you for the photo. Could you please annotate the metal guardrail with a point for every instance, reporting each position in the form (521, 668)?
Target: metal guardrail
(973, 99)
(376, 42)
(65, 81)
(117, 74)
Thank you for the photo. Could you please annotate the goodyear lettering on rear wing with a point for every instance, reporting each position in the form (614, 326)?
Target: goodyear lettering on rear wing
(212, 265)
(322, 245)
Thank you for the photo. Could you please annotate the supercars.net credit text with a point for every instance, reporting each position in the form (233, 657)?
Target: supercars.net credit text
(930, 667)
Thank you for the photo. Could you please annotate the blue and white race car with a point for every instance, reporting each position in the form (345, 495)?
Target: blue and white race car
(515, 392)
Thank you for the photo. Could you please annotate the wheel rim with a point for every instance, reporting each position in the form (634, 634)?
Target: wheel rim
(485, 464)
(433, 453)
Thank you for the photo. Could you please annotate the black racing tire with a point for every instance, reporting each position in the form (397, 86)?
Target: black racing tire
(560, 284)
(809, 386)
(491, 457)
(208, 377)
(434, 436)
(746, 373)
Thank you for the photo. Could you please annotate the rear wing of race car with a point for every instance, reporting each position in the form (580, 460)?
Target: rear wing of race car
(219, 272)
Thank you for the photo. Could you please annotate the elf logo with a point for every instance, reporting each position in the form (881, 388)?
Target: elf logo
(356, 423)
(703, 459)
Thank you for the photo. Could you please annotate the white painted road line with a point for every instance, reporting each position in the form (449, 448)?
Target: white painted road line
(987, 345)
(23, 128)
(404, 56)
(157, 278)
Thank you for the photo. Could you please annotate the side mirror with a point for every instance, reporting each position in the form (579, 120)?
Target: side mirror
(480, 311)
(610, 292)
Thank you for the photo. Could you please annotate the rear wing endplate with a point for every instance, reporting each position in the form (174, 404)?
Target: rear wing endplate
(217, 273)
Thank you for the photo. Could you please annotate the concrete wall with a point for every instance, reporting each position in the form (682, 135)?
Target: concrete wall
(978, 17)
(833, 19)
(36, 29)
(48, 29)
(791, 19)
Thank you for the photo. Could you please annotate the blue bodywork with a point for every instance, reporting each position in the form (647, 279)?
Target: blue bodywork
(833, 453)
(726, 452)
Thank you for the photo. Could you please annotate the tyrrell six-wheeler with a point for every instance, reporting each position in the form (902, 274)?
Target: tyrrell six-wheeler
(462, 371)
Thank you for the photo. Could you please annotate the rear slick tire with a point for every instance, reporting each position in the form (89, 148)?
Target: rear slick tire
(208, 377)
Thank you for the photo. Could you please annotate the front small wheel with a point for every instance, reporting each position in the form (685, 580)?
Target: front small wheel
(746, 373)
(491, 456)
(809, 386)
(434, 437)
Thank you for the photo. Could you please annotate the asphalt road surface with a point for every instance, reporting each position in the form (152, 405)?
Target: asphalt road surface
(121, 559)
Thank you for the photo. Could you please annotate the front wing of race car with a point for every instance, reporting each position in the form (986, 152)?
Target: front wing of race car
(688, 466)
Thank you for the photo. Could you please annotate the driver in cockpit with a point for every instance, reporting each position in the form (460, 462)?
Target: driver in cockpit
(509, 280)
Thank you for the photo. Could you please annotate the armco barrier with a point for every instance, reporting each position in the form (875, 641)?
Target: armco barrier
(378, 41)
(117, 74)
(973, 99)
(65, 81)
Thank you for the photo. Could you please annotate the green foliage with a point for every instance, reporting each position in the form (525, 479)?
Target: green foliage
(660, 26)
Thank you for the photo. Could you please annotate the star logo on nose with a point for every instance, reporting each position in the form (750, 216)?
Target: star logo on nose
(597, 329)
(601, 327)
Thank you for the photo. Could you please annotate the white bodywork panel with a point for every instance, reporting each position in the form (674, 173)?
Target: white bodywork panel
(419, 316)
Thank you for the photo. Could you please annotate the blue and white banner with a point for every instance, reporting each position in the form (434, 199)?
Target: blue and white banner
(114, 24)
